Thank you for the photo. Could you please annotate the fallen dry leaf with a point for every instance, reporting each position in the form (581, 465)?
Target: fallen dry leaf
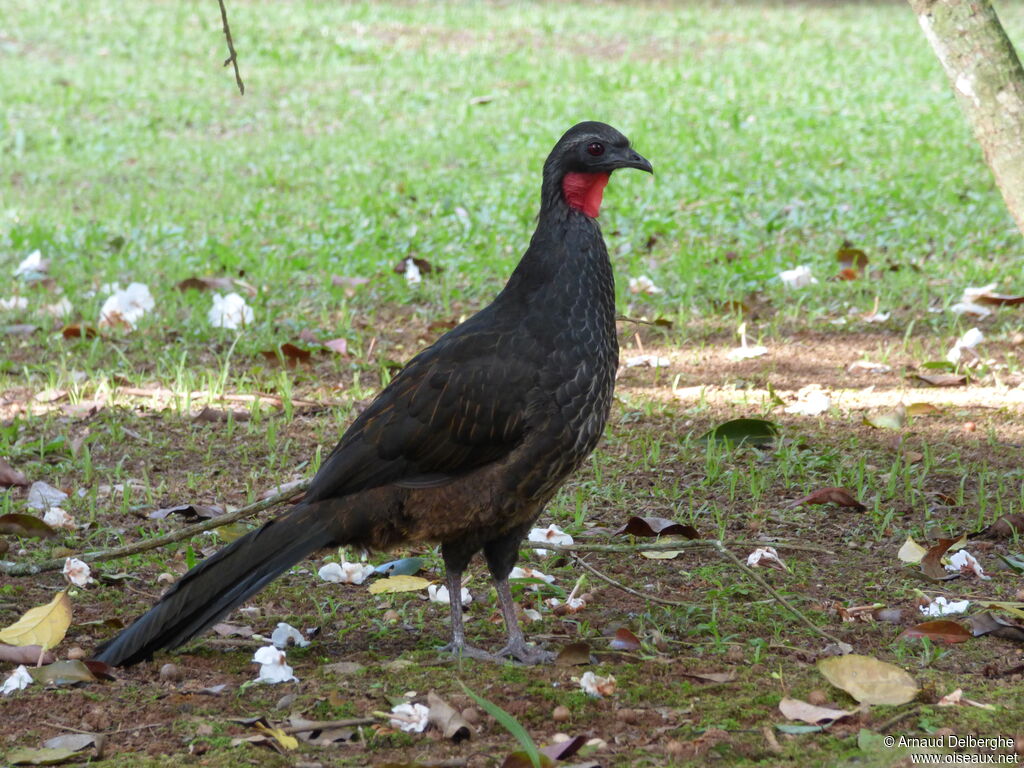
(869, 680)
(624, 640)
(942, 379)
(931, 563)
(10, 477)
(942, 630)
(44, 625)
(839, 496)
(399, 584)
(795, 709)
(447, 719)
(25, 654)
(656, 526)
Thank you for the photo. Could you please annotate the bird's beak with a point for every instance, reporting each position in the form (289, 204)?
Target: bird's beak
(631, 159)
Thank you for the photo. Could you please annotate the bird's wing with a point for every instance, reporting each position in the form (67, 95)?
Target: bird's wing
(456, 406)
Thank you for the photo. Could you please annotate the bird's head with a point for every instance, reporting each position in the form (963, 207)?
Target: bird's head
(579, 166)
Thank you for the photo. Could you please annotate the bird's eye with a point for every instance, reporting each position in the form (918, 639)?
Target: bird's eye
(595, 148)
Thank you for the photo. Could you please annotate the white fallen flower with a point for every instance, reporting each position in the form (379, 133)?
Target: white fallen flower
(77, 572)
(413, 276)
(868, 367)
(411, 718)
(766, 556)
(941, 607)
(551, 535)
(127, 306)
(345, 573)
(598, 686)
(56, 517)
(797, 277)
(61, 308)
(968, 341)
(285, 633)
(957, 697)
(17, 680)
(440, 595)
(530, 573)
(643, 284)
(745, 353)
(964, 561)
(571, 604)
(229, 311)
(532, 614)
(813, 404)
(876, 317)
(15, 302)
(43, 495)
(273, 668)
(31, 263)
(651, 361)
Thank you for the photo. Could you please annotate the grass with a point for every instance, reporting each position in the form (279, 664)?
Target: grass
(371, 132)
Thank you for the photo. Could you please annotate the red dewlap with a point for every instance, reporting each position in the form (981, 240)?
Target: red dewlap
(583, 191)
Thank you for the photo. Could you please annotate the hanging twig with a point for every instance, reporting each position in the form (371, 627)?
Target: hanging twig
(233, 57)
(29, 569)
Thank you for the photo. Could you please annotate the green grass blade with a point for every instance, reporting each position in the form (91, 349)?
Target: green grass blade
(509, 723)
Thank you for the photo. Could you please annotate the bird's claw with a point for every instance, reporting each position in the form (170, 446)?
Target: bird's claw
(470, 652)
(527, 654)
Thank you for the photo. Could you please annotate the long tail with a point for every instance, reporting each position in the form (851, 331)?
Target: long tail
(228, 578)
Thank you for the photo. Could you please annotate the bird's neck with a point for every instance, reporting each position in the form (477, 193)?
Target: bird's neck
(573, 193)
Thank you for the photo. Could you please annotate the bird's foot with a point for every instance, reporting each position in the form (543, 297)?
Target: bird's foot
(463, 651)
(527, 654)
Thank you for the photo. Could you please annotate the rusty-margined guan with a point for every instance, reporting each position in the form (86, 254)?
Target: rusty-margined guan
(469, 441)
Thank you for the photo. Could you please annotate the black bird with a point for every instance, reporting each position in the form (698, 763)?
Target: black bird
(468, 442)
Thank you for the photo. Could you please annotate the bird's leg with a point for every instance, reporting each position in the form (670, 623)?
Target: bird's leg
(454, 566)
(501, 556)
(517, 647)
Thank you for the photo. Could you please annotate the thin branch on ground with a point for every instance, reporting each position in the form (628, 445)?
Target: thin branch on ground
(669, 546)
(724, 552)
(57, 563)
(629, 590)
(326, 725)
(233, 57)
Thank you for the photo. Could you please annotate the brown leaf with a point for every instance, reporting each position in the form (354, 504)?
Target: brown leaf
(839, 496)
(852, 262)
(100, 669)
(79, 331)
(931, 565)
(573, 654)
(206, 284)
(656, 526)
(291, 354)
(424, 266)
(988, 624)
(447, 719)
(24, 654)
(998, 299)
(942, 379)
(625, 640)
(943, 630)
(922, 409)
(711, 677)
(218, 415)
(563, 750)
(1006, 527)
(522, 760)
(25, 525)
(9, 476)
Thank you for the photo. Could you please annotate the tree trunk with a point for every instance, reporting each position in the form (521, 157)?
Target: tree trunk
(989, 84)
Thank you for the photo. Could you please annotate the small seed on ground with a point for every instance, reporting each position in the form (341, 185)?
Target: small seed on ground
(561, 714)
